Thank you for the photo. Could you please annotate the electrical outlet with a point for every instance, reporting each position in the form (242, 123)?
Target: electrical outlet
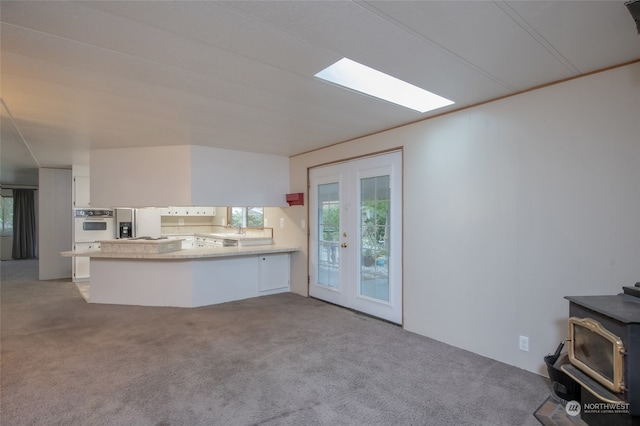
(524, 343)
(180, 221)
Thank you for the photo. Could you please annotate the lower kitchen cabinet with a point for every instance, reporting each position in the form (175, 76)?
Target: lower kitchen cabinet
(273, 272)
(187, 243)
(188, 282)
(81, 264)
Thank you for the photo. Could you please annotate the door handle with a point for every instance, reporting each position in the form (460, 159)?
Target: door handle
(343, 245)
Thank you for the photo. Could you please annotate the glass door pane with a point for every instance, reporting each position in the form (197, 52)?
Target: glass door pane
(328, 252)
(355, 235)
(374, 237)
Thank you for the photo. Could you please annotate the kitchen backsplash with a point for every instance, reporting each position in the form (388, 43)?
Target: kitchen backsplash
(190, 229)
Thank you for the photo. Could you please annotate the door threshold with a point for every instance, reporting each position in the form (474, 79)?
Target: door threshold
(355, 311)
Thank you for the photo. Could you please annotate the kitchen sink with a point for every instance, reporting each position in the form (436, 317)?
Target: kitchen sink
(242, 239)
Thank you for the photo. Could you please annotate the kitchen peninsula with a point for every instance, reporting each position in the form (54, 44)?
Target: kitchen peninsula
(158, 272)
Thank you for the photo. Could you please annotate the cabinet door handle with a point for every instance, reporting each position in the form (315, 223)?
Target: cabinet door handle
(343, 245)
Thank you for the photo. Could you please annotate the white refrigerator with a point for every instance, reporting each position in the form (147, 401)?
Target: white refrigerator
(138, 222)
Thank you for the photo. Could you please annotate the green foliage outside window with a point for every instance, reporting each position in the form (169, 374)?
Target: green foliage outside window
(6, 215)
(247, 217)
(374, 222)
(330, 221)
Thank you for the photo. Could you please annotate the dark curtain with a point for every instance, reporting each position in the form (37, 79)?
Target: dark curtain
(25, 242)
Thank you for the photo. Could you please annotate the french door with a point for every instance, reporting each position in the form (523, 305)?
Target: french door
(355, 235)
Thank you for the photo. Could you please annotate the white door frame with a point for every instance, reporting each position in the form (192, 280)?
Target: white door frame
(349, 293)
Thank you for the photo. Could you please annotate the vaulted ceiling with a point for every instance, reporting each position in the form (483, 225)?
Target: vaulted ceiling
(240, 74)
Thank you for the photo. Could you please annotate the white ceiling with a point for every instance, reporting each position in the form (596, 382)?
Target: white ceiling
(240, 74)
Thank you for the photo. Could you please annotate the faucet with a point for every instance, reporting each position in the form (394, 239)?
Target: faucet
(238, 228)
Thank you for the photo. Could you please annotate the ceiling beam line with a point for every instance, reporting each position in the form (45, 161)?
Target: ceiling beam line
(22, 139)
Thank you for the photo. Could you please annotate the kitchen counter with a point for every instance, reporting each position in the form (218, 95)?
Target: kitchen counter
(233, 236)
(145, 245)
(240, 239)
(196, 253)
(185, 277)
(252, 238)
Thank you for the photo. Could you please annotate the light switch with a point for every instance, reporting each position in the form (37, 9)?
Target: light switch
(303, 224)
(282, 222)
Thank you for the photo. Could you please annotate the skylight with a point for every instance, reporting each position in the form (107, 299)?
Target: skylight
(361, 78)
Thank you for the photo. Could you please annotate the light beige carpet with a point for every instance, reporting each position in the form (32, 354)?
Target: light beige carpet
(275, 360)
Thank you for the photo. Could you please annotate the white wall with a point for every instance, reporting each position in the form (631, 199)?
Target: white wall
(54, 223)
(223, 177)
(140, 177)
(6, 247)
(186, 175)
(508, 207)
(6, 241)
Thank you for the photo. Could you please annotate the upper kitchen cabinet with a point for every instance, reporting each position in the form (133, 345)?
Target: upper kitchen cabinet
(189, 211)
(187, 175)
(81, 193)
(204, 211)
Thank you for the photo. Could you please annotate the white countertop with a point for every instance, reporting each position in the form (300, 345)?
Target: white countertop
(140, 241)
(195, 253)
(224, 235)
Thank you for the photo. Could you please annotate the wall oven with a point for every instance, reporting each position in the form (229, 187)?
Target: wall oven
(91, 225)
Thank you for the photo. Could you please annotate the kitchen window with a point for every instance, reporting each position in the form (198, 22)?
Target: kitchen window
(246, 217)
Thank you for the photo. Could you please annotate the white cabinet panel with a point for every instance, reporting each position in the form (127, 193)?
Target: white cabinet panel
(189, 211)
(81, 264)
(80, 268)
(189, 282)
(187, 243)
(273, 272)
(178, 211)
(81, 194)
(55, 203)
(205, 211)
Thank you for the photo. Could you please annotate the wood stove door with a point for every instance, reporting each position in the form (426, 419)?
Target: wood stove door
(355, 235)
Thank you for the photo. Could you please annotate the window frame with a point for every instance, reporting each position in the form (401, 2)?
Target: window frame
(245, 216)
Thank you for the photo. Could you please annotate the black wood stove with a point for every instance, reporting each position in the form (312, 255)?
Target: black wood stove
(604, 356)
